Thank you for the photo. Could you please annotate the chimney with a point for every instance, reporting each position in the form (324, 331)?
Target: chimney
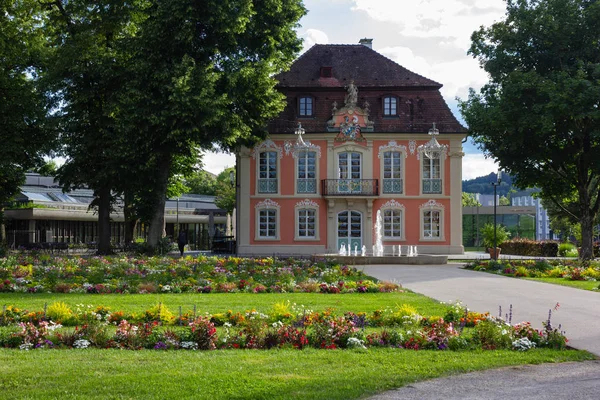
(366, 42)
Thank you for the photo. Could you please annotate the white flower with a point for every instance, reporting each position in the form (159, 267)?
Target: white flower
(189, 345)
(355, 343)
(523, 344)
(81, 344)
(26, 346)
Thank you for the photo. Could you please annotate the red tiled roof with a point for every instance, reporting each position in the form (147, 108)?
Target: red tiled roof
(419, 101)
(349, 62)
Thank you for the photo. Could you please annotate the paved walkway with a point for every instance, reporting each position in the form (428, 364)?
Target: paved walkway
(578, 313)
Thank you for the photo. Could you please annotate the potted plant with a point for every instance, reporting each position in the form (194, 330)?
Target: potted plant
(502, 236)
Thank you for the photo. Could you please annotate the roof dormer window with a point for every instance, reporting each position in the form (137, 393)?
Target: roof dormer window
(326, 72)
(305, 106)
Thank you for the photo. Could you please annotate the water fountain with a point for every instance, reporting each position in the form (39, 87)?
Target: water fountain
(409, 256)
(378, 248)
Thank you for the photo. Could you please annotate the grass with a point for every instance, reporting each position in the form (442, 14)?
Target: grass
(585, 285)
(251, 374)
(221, 302)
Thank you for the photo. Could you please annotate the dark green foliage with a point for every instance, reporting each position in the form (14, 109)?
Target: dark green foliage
(225, 190)
(527, 247)
(24, 136)
(209, 85)
(482, 184)
(539, 114)
(201, 182)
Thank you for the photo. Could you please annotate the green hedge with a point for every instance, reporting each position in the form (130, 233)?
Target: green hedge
(528, 247)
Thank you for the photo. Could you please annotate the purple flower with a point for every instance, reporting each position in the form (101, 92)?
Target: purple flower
(160, 346)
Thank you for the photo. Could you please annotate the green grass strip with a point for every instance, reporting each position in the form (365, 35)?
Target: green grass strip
(252, 374)
(222, 302)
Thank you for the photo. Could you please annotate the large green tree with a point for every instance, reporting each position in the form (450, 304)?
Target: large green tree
(539, 115)
(203, 76)
(23, 135)
(86, 76)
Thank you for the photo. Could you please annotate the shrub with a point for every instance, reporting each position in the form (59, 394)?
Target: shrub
(204, 333)
(567, 250)
(501, 234)
(493, 334)
(527, 247)
(59, 312)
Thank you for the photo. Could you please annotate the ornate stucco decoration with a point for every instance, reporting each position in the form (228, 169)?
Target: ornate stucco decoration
(431, 204)
(300, 145)
(412, 146)
(432, 149)
(393, 204)
(391, 146)
(307, 203)
(350, 120)
(267, 203)
(267, 145)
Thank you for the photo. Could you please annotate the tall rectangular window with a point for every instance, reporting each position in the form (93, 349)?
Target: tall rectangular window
(432, 177)
(392, 223)
(305, 107)
(267, 224)
(431, 224)
(267, 172)
(306, 181)
(306, 223)
(390, 106)
(392, 172)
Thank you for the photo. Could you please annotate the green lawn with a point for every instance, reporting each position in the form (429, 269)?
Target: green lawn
(250, 374)
(585, 285)
(221, 302)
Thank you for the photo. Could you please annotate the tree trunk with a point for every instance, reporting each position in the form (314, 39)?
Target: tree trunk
(2, 227)
(130, 217)
(157, 223)
(103, 221)
(587, 236)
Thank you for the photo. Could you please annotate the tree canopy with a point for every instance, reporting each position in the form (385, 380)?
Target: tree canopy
(539, 114)
(24, 137)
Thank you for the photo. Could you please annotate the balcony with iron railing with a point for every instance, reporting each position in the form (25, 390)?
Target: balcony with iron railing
(350, 187)
(392, 186)
(432, 186)
(267, 185)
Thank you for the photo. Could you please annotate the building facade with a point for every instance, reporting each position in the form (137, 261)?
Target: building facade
(357, 139)
(42, 213)
(542, 227)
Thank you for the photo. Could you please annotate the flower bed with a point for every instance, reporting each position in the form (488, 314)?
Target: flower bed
(169, 275)
(286, 326)
(567, 270)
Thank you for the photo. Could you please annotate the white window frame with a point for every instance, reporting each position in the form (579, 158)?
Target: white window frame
(382, 166)
(441, 157)
(298, 156)
(312, 106)
(394, 206)
(306, 205)
(432, 206)
(393, 103)
(277, 173)
(267, 205)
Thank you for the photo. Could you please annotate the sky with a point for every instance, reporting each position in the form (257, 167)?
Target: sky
(429, 37)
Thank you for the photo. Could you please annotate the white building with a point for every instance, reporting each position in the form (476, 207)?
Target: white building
(542, 228)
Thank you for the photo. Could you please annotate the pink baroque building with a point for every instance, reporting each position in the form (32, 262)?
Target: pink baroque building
(359, 135)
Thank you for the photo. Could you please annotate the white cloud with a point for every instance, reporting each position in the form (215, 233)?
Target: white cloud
(475, 165)
(454, 19)
(216, 162)
(314, 36)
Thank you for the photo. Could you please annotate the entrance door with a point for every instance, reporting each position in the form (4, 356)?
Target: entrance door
(349, 166)
(349, 231)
